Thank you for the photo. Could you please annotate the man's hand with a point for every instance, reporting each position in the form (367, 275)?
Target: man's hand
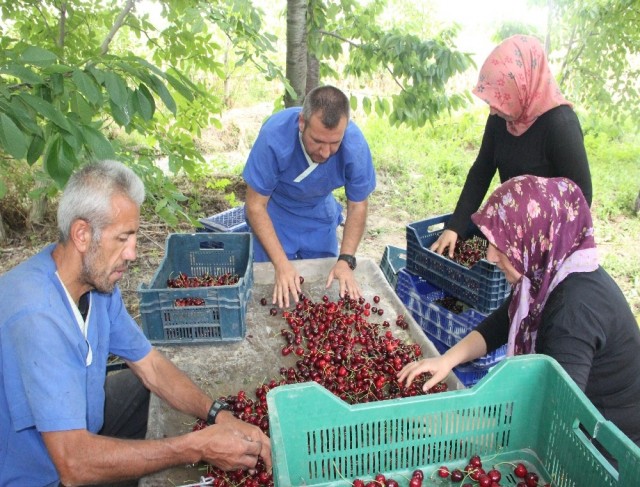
(287, 282)
(347, 279)
(250, 432)
(446, 240)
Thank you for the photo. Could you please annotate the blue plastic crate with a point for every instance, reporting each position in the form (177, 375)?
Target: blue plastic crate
(232, 220)
(393, 259)
(469, 374)
(222, 317)
(436, 321)
(482, 286)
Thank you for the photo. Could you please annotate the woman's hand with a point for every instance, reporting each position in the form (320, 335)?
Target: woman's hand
(447, 239)
(438, 367)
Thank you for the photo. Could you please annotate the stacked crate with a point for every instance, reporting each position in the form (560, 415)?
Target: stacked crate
(232, 220)
(429, 278)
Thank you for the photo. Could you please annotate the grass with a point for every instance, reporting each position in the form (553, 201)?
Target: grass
(423, 172)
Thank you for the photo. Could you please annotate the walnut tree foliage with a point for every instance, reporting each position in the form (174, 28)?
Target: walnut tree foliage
(597, 44)
(73, 73)
(350, 40)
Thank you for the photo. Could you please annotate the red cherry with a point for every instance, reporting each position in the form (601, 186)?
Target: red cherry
(457, 475)
(531, 479)
(443, 472)
(520, 471)
(494, 475)
(418, 474)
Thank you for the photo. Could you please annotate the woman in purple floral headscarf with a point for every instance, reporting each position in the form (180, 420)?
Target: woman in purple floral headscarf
(563, 303)
(543, 227)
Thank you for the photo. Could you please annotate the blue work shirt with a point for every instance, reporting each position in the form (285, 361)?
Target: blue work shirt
(277, 159)
(45, 382)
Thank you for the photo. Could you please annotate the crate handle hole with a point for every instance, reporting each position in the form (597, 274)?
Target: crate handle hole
(212, 245)
(592, 442)
(436, 227)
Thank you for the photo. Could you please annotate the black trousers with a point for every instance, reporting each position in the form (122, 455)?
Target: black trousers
(126, 411)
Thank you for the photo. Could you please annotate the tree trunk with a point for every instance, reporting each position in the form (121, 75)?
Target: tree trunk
(296, 50)
(313, 73)
(38, 205)
(3, 232)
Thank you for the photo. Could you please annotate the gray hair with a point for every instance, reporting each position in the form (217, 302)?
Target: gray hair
(88, 193)
(330, 101)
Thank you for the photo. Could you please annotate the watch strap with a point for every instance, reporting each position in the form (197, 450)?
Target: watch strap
(349, 259)
(215, 409)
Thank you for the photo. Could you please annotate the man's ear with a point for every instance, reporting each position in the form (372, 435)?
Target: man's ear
(300, 122)
(81, 235)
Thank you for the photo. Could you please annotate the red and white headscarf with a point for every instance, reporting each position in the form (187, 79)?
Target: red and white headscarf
(544, 228)
(515, 80)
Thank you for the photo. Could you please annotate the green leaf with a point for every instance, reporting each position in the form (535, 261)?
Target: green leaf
(179, 87)
(38, 56)
(81, 108)
(12, 139)
(56, 164)
(366, 105)
(35, 149)
(57, 68)
(353, 102)
(120, 114)
(97, 143)
(163, 93)
(143, 103)
(116, 88)
(57, 84)
(46, 110)
(162, 203)
(87, 86)
(23, 73)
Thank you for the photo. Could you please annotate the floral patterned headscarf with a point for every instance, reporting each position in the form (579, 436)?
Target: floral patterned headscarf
(544, 228)
(515, 80)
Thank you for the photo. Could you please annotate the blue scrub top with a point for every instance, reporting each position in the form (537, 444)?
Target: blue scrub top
(45, 384)
(277, 159)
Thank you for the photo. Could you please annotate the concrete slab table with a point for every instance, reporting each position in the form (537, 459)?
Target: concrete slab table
(223, 369)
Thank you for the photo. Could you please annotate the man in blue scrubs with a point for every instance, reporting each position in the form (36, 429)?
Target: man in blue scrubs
(62, 420)
(300, 156)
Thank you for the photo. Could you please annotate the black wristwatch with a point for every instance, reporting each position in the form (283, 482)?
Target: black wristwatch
(349, 259)
(216, 407)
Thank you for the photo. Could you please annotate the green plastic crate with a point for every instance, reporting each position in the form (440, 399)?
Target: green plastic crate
(527, 409)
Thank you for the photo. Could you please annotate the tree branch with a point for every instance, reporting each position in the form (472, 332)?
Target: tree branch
(62, 25)
(340, 38)
(116, 26)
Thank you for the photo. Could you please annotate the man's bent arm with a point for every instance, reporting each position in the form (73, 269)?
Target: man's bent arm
(354, 226)
(262, 226)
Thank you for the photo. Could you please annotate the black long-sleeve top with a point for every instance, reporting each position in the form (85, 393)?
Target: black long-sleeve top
(589, 328)
(552, 147)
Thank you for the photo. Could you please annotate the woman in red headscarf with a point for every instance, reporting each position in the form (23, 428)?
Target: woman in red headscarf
(531, 129)
(563, 303)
